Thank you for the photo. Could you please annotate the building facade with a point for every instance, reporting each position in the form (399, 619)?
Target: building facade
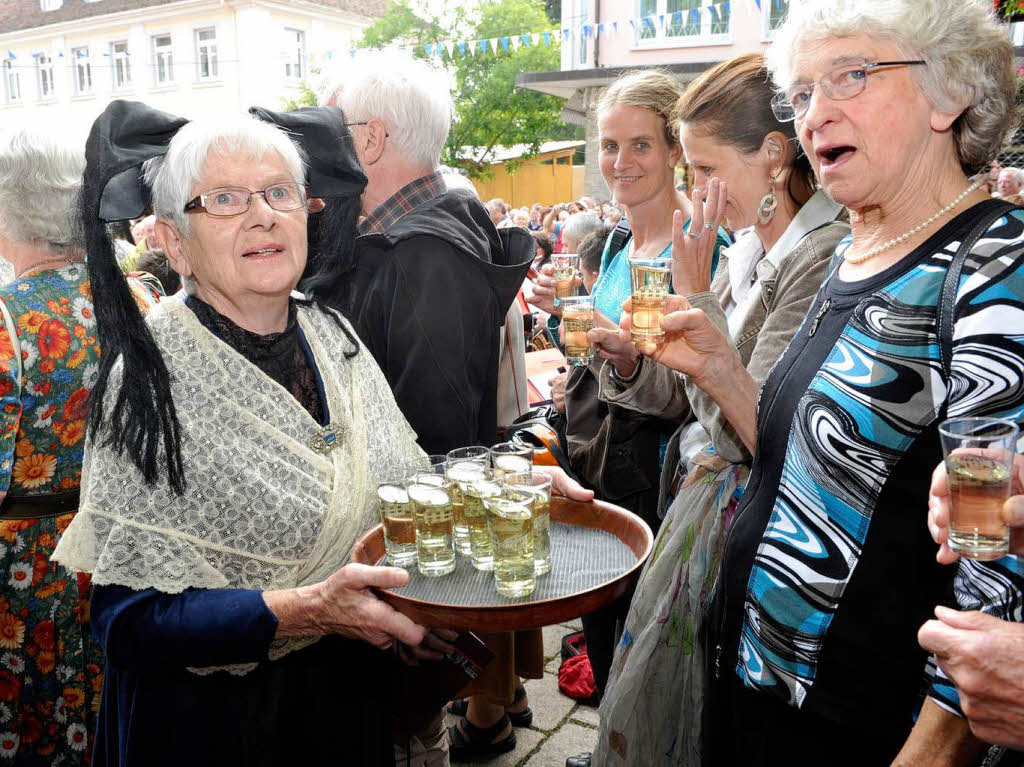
(66, 59)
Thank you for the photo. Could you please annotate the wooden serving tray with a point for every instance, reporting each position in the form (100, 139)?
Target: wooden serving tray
(510, 615)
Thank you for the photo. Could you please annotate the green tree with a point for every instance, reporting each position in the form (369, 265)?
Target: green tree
(489, 110)
(306, 98)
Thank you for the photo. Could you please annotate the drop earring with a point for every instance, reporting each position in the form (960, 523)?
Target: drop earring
(766, 210)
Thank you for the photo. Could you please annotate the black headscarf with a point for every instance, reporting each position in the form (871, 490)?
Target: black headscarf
(143, 418)
(333, 174)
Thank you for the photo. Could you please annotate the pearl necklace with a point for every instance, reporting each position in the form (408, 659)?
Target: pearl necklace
(907, 235)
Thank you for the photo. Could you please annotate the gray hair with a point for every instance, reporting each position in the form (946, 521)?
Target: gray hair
(175, 176)
(968, 53)
(40, 180)
(579, 225)
(412, 99)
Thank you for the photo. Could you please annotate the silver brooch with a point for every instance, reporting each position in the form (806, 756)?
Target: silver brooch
(326, 439)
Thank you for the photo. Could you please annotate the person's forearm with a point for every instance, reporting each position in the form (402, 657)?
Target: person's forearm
(939, 739)
(735, 391)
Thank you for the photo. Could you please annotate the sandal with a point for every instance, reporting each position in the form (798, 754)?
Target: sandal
(477, 741)
(522, 718)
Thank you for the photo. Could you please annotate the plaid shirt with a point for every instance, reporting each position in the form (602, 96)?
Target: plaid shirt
(405, 200)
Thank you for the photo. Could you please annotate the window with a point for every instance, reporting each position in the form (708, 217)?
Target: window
(206, 54)
(12, 83)
(774, 14)
(44, 75)
(294, 53)
(82, 72)
(683, 19)
(163, 60)
(50, 5)
(121, 65)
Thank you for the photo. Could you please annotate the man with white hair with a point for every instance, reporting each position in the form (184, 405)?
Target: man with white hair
(433, 278)
(1011, 181)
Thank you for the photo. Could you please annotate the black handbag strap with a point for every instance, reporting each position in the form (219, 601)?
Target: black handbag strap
(994, 209)
(621, 234)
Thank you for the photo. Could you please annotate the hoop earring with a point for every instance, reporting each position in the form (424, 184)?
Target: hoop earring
(766, 210)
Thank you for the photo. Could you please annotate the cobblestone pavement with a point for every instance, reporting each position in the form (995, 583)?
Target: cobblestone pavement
(561, 726)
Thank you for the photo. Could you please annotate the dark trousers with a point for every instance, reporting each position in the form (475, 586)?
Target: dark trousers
(602, 629)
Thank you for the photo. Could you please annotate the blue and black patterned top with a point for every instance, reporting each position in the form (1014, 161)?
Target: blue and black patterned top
(829, 570)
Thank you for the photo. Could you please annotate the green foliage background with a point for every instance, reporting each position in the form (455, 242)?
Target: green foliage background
(489, 110)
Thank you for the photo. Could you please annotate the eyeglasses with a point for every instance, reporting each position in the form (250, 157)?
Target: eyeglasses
(365, 122)
(840, 84)
(235, 200)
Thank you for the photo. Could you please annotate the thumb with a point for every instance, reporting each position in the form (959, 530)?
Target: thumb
(1013, 511)
(365, 576)
(938, 638)
(967, 620)
(678, 322)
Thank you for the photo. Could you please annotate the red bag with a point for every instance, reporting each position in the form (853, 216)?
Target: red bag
(575, 677)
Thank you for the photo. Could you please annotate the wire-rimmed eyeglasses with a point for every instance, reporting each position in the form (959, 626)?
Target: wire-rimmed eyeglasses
(235, 200)
(843, 82)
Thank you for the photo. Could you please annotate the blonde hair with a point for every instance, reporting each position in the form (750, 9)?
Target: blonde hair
(653, 89)
(968, 53)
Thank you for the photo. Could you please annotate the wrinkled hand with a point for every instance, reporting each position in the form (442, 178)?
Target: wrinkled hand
(692, 256)
(435, 645)
(938, 511)
(693, 344)
(563, 484)
(346, 606)
(983, 656)
(557, 384)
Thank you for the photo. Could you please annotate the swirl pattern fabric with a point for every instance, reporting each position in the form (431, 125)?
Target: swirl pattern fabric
(880, 387)
(262, 509)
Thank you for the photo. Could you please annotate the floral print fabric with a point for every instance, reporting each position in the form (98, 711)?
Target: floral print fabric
(50, 665)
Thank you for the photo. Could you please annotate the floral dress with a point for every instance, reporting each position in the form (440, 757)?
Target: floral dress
(50, 665)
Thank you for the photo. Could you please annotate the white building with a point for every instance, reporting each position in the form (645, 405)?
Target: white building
(66, 59)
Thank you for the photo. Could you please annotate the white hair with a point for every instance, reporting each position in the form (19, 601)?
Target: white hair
(40, 181)
(174, 176)
(1017, 174)
(579, 225)
(968, 53)
(412, 98)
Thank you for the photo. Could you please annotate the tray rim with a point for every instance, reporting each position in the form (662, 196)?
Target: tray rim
(522, 615)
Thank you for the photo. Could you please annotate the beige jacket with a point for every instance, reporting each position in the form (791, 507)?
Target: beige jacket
(771, 321)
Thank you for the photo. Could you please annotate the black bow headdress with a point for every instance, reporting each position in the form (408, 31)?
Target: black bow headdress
(143, 418)
(334, 175)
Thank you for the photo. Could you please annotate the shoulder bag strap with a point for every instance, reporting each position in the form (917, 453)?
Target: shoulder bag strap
(621, 234)
(947, 298)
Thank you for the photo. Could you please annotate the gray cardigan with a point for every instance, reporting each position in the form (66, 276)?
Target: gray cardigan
(764, 335)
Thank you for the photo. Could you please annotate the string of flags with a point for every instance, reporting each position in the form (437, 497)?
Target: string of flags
(675, 23)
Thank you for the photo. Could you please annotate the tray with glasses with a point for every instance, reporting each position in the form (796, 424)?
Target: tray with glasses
(597, 551)
(488, 547)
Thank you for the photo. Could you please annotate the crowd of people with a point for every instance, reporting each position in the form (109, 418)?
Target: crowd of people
(220, 334)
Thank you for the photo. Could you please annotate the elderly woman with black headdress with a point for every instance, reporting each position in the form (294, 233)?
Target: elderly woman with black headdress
(235, 444)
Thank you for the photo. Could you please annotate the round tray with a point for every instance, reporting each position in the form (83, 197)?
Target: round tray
(509, 615)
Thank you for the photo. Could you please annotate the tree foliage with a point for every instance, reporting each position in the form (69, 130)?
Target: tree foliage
(489, 110)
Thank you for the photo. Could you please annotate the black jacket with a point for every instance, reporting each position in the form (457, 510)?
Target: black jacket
(428, 298)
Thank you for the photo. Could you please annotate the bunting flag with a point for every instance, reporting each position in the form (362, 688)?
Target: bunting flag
(429, 50)
(483, 46)
(547, 39)
(462, 49)
(504, 43)
(565, 35)
(615, 27)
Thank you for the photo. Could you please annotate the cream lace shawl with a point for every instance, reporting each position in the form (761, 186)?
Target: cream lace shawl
(261, 509)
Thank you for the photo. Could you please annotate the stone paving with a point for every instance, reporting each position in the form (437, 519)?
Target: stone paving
(561, 726)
